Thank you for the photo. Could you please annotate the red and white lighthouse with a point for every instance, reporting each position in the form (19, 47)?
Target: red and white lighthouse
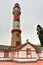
(16, 32)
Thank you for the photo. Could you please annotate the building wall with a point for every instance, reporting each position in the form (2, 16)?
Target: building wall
(28, 46)
(40, 55)
(24, 60)
(15, 54)
(2, 56)
(21, 55)
(34, 55)
(33, 50)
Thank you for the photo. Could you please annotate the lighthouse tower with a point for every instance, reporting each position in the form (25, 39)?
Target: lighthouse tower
(16, 32)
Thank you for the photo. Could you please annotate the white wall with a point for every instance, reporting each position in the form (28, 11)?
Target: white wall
(22, 54)
(24, 60)
(40, 55)
(28, 46)
(10, 54)
(1, 53)
(15, 54)
(2, 56)
(34, 54)
(15, 25)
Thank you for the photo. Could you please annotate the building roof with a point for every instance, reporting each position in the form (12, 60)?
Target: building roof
(39, 48)
(3, 47)
(29, 44)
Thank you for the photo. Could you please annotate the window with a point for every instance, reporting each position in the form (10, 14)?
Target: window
(6, 54)
(17, 25)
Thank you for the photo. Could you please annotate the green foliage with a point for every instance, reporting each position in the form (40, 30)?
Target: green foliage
(40, 34)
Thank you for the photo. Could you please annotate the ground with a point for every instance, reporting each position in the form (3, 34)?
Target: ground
(14, 63)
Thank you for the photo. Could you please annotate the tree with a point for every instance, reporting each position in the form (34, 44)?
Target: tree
(40, 34)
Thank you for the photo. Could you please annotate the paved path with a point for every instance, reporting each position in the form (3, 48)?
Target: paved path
(14, 63)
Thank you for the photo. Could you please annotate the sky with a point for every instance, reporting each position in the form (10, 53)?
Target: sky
(31, 16)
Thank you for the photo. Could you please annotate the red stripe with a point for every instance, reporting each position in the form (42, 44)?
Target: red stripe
(17, 50)
(21, 57)
(16, 17)
(24, 58)
(16, 30)
(5, 57)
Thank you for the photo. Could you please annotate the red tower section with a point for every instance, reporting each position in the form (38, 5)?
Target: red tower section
(16, 32)
(17, 14)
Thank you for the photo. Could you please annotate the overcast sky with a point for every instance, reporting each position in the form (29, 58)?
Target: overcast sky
(31, 16)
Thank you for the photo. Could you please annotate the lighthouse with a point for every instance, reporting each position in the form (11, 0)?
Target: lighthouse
(16, 31)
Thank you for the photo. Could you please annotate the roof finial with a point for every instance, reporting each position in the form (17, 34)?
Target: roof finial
(27, 40)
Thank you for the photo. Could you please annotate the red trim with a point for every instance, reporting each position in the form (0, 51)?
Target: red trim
(6, 54)
(5, 57)
(38, 55)
(24, 58)
(8, 50)
(21, 50)
(16, 30)
(28, 43)
(1, 50)
(17, 5)
(27, 50)
(16, 50)
(16, 17)
(18, 54)
(26, 53)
